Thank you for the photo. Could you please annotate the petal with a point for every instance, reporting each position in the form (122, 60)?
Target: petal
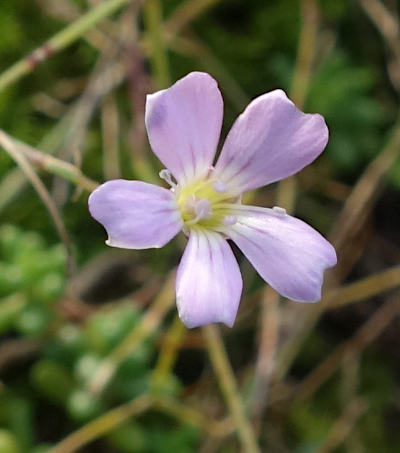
(135, 214)
(287, 253)
(270, 140)
(184, 124)
(208, 284)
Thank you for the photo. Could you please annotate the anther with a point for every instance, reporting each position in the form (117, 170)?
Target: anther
(202, 209)
(219, 186)
(279, 210)
(167, 177)
(229, 220)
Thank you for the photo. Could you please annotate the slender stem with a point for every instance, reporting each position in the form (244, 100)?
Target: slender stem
(110, 133)
(305, 52)
(115, 417)
(185, 13)
(148, 324)
(387, 24)
(352, 347)
(286, 196)
(60, 41)
(343, 426)
(63, 134)
(229, 388)
(265, 366)
(361, 199)
(102, 425)
(352, 218)
(194, 47)
(158, 56)
(10, 185)
(363, 289)
(15, 153)
(168, 353)
(187, 414)
(50, 164)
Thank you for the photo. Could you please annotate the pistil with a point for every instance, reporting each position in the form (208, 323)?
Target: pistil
(202, 204)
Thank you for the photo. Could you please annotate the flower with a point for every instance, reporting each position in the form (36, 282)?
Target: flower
(270, 140)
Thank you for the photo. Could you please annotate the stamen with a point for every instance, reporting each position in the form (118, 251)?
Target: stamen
(279, 210)
(219, 186)
(167, 177)
(238, 208)
(202, 209)
(229, 220)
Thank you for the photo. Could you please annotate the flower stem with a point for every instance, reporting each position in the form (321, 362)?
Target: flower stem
(60, 41)
(229, 388)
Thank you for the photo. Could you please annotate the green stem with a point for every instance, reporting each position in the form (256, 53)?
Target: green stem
(102, 425)
(188, 415)
(116, 417)
(229, 388)
(51, 164)
(18, 156)
(147, 326)
(302, 75)
(158, 56)
(168, 354)
(60, 41)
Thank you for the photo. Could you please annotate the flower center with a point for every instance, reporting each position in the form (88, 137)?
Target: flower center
(204, 203)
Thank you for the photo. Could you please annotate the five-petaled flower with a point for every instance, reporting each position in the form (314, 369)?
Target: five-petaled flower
(270, 140)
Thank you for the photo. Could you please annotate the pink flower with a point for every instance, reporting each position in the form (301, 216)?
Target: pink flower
(270, 140)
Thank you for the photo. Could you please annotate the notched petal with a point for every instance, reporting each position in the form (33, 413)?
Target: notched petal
(286, 252)
(271, 140)
(184, 124)
(208, 284)
(136, 215)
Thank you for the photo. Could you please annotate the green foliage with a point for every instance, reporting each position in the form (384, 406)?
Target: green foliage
(31, 280)
(311, 425)
(63, 371)
(52, 380)
(48, 393)
(8, 442)
(175, 439)
(106, 329)
(341, 91)
(82, 406)
(129, 438)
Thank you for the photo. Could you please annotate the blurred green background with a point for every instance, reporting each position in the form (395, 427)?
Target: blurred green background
(78, 340)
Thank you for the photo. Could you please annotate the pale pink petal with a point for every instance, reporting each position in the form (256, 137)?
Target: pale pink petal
(287, 253)
(184, 124)
(208, 284)
(135, 214)
(270, 140)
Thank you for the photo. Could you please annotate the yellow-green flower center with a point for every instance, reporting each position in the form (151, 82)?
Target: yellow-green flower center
(205, 203)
